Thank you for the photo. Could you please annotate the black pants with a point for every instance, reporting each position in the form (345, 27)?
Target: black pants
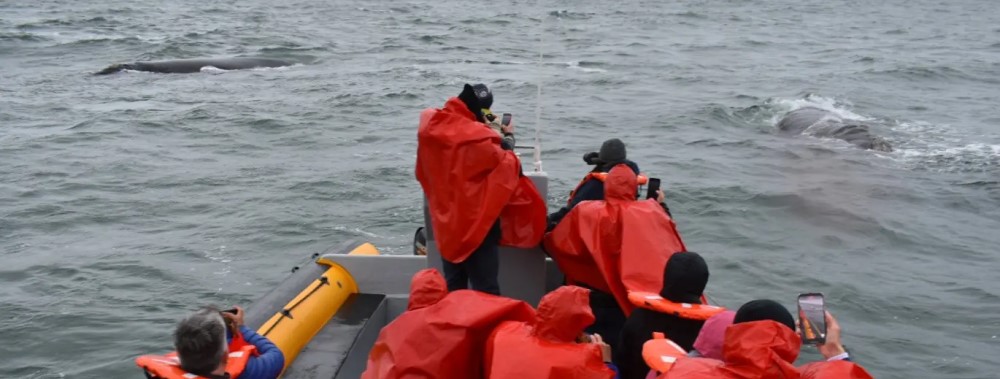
(482, 268)
(608, 317)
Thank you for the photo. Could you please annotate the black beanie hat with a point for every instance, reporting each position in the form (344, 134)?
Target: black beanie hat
(684, 278)
(612, 151)
(759, 310)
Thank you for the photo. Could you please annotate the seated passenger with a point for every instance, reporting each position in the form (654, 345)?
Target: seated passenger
(707, 345)
(612, 153)
(684, 278)
(207, 348)
(441, 335)
(712, 336)
(613, 246)
(548, 347)
(762, 344)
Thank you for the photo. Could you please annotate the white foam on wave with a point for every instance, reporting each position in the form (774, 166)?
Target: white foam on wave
(576, 66)
(280, 68)
(216, 70)
(939, 150)
(355, 231)
(212, 70)
(839, 108)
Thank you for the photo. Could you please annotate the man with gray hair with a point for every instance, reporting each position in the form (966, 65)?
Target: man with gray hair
(216, 344)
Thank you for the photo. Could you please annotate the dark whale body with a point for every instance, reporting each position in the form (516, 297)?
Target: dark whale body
(822, 123)
(186, 66)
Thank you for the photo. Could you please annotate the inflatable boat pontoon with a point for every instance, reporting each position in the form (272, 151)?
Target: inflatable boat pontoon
(326, 315)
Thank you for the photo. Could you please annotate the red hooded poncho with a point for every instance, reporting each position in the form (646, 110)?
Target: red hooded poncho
(753, 350)
(547, 348)
(441, 335)
(470, 181)
(761, 350)
(616, 245)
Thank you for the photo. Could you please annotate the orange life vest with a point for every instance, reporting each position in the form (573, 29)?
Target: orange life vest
(660, 353)
(655, 302)
(601, 176)
(169, 366)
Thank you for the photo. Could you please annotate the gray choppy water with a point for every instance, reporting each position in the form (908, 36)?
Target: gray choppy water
(126, 200)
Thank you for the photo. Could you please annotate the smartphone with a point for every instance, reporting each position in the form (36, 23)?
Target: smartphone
(506, 119)
(652, 186)
(812, 318)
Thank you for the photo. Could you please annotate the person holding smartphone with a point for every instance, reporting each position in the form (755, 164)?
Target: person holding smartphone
(471, 181)
(216, 344)
(553, 345)
(503, 125)
(763, 342)
(629, 254)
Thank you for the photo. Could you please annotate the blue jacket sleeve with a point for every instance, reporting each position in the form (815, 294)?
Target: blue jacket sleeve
(268, 364)
(613, 368)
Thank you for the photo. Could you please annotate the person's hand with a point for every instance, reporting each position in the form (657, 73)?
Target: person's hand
(508, 129)
(605, 348)
(660, 196)
(234, 320)
(832, 347)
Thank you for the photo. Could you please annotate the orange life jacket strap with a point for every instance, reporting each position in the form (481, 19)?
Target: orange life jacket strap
(602, 176)
(169, 366)
(655, 302)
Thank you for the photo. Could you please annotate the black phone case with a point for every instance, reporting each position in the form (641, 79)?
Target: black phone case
(654, 185)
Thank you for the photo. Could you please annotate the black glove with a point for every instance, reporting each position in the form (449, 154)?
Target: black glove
(591, 158)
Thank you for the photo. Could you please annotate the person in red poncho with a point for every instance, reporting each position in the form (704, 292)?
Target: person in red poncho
(476, 195)
(615, 246)
(548, 347)
(441, 334)
(762, 344)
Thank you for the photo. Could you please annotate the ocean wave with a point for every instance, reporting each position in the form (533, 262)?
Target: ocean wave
(839, 107)
(570, 15)
(100, 41)
(23, 36)
(923, 73)
(586, 66)
(974, 157)
(78, 22)
(690, 14)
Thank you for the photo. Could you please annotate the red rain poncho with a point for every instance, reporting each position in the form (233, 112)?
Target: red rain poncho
(616, 245)
(547, 348)
(753, 350)
(470, 181)
(761, 350)
(441, 335)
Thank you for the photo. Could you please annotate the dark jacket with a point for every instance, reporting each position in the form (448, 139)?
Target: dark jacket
(270, 361)
(592, 189)
(684, 281)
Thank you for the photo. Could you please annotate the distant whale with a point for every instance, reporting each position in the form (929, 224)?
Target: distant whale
(185, 66)
(822, 123)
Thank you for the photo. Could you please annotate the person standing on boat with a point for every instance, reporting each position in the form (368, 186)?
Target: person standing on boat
(214, 345)
(473, 183)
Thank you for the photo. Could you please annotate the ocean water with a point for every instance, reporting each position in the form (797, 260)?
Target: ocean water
(128, 200)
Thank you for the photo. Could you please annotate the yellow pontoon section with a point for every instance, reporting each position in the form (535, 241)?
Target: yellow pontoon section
(297, 323)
